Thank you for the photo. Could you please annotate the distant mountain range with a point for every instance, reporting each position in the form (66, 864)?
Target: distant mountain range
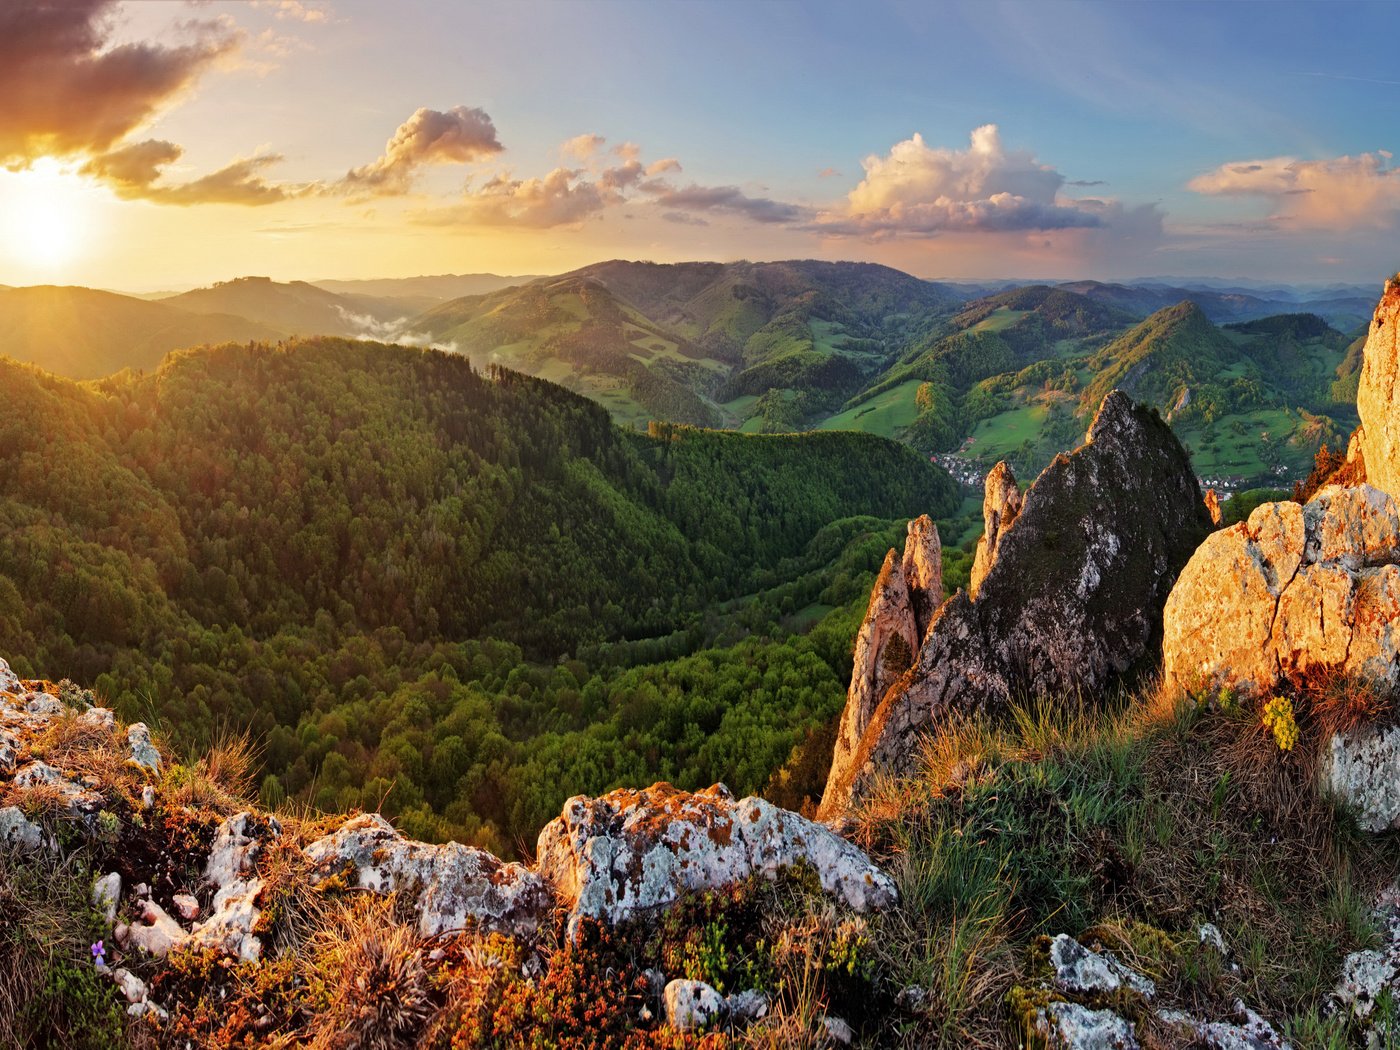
(981, 371)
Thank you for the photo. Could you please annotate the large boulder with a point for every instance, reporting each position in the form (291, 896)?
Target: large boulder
(632, 852)
(905, 598)
(1379, 437)
(452, 887)
(1071, 600)
(1001, 502)
(1289, 591)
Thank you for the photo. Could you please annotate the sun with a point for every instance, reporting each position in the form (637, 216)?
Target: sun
(45, 215)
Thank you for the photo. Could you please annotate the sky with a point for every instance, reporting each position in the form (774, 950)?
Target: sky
(164, 145)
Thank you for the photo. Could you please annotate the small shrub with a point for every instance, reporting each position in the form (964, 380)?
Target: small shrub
(1278, 719)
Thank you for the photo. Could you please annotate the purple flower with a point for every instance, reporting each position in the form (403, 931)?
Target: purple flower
(99, 954)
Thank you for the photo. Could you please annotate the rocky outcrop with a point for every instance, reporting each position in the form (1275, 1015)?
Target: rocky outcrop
(1072, 599)
(1213, 506)
(922, 567)
(632, 852)
(452, 887)
(1361, 767)
(1377, 392)
(1292, 590)
(906, 595)
(1001, 502)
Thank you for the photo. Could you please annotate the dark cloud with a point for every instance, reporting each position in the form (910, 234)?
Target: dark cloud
(458, 136)
(1086, 182)
(65, 92)
(681, 218)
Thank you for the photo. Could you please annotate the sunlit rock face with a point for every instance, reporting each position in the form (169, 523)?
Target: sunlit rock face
(1001, 502)
(1071, 598)
(1293, 590)
(632, 852)
(1378, 442)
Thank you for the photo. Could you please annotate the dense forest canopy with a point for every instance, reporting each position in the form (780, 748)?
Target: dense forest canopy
(460, 596)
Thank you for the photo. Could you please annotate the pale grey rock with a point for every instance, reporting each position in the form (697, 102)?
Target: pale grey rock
(1291, 590)
(9, 751)
(838, 1031)
(1248, 1031)
(143, 752)
(454, 887)
(1376, 394)
(1077, 969)
(154, 931)
(43, 704)
(78, 799)
(18, 831)
(744, 1008)
(133, 989)
(630, 851)
(1070, 1026)
(107, 894)
(9, 681)
(1209, 935)
(146, 1008)
(1365, 975)
(692, 1005)
(186, 906)
(1361, 767)
(922, 568)
(148, 796)
(98, 718)
(232, 871)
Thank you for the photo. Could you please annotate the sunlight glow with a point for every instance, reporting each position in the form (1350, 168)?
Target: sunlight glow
(45, 216)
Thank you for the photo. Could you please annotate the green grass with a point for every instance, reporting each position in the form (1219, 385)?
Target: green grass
(885, 414)
(1001, 435)
(999, 319)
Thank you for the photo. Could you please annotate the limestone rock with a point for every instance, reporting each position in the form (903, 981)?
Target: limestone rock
(133, 988)
(1362, 768)
(692, 1005)
(1072, 599)
(838, 1031)
(743, 1008)
(1246, 1031)
(453, 886)
(107, 894)
(1212, 499)
(186, 906)
(905, 599)
(18, 831)
(143, 752)
(1077, 969)
(9, 681)
(1376, 395)
(1291, 589)
(1001, 503)
(922, 567)
(231, 870)
(1070, 1026)
(630, 852)
(155, 931)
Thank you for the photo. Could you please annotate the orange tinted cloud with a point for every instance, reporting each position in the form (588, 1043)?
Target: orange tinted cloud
(133, 173)
(458, 136)
(66, 92)
(1340, 193)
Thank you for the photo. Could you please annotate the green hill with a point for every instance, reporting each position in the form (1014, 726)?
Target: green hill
(356, 550)
(85, 334)
(296, 308)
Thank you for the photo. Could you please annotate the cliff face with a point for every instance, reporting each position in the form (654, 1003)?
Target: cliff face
(1379, 440)
(1001, 502)
(1071, 597)
(905, 598)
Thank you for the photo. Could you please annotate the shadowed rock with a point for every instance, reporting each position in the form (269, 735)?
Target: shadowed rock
(1071, 601)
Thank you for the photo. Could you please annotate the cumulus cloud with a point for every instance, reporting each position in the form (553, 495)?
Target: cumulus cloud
(925, 190)
(67, 92)
(561, 198)
(296, 10)
(458, 136)
(582, 147)
(1338, 193)
(134, 173)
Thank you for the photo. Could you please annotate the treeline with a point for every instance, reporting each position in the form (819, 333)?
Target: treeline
(362, 553)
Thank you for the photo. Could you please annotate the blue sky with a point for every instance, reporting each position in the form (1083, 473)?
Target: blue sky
(1131, 139)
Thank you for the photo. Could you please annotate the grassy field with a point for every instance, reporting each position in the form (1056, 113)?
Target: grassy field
(1004, 433)
(885, 414)
(1236, 446)
(1000, 318)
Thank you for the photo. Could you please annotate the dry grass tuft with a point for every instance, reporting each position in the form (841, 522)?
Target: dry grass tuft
(220, 780)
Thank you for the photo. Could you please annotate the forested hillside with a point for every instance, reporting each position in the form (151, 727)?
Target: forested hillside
(465, 595)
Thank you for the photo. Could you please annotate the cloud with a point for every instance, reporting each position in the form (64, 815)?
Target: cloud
(683, 219)
(1338, 193)
(1086, 182)
(730, 200)
(67, 92)
(458, 136)
(920, 190)
(134, 172)
(582, 147)
(828, 173)
(296, 10)
(561, 198)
